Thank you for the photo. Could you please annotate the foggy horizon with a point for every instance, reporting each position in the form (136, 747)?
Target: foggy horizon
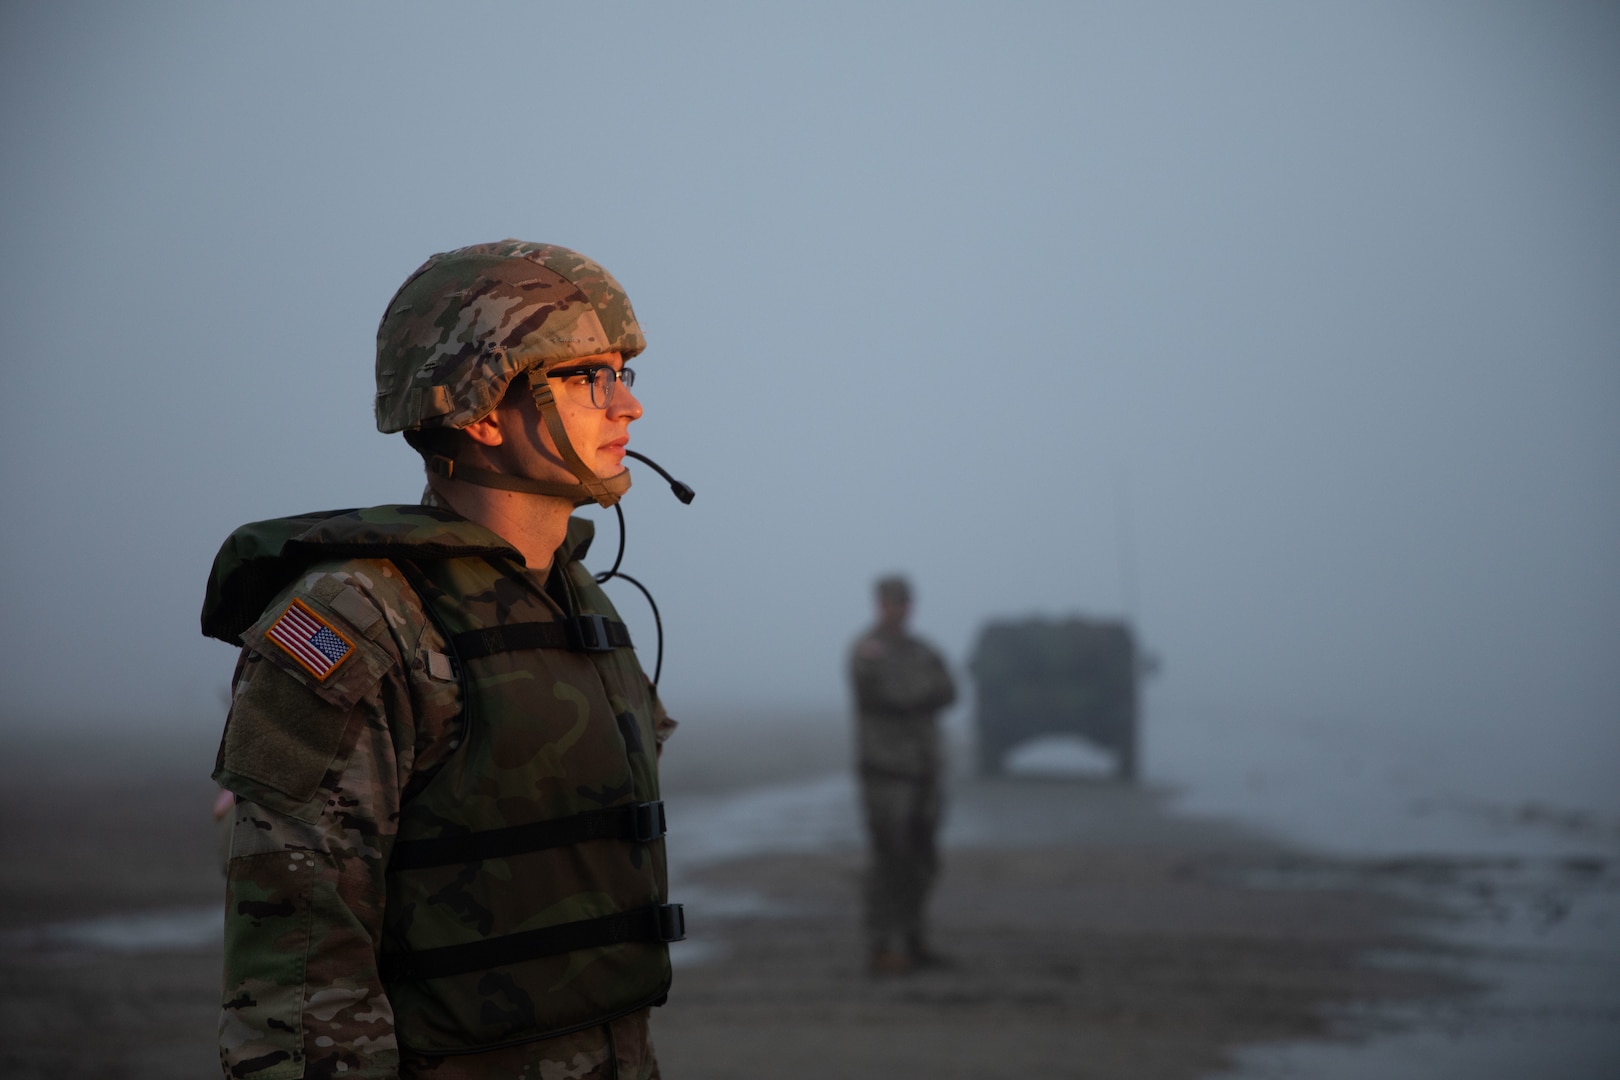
(1292, 334)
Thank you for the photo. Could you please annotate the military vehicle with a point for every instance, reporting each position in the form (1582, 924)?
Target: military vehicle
(1072, 676)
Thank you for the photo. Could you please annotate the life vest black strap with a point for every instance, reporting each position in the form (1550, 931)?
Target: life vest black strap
(579, 633)
(659, 922)
(639, 823)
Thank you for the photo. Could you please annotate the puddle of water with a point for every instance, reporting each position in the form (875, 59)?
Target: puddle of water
(695, 952)
(1568, 1050)
(148, 931)
(726, 903)
(1542, 934)
(818, 814)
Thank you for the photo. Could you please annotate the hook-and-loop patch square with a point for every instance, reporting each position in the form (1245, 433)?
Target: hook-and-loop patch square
(309, 639)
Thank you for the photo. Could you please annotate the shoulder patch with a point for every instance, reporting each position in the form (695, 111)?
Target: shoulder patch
(318, 646)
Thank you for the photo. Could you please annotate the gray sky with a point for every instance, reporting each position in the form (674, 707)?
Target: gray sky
(1313, 308)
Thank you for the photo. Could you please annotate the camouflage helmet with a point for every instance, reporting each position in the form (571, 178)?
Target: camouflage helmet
(470, 320)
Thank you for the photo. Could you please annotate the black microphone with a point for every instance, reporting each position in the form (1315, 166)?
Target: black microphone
(682, 492)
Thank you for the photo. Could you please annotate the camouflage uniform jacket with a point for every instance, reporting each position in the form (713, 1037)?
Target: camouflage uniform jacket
(322, 762)
(900, 683)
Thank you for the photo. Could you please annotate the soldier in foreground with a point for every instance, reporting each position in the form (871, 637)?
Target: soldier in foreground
(901, 683)
(447, 858)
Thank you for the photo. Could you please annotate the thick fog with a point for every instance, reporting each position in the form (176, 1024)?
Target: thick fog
(1292, 332)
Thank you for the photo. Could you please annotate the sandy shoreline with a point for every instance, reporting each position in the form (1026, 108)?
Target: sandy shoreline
(1094, 933)
(1067, 962)
(1134, 944)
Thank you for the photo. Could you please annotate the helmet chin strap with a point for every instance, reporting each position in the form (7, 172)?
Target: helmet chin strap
(610, 490)
(605, 492)
(590, 488)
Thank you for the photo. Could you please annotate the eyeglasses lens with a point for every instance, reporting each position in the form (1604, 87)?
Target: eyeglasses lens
(603, 381)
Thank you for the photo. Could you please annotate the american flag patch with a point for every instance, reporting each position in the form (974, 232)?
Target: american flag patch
(310, 639)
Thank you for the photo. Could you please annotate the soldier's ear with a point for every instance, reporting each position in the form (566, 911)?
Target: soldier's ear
(487, 430)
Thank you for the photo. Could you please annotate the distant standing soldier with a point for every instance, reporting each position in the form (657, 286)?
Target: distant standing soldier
(901, 683)
(447, 859)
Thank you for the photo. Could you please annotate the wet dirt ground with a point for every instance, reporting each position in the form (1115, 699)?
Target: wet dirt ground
(1114, 938)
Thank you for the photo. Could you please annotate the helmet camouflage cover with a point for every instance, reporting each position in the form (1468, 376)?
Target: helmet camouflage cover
(468, 321)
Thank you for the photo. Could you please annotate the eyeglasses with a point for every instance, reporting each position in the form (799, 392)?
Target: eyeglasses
(603, 380)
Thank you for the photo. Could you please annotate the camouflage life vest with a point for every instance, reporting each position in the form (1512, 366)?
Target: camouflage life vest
(527, 890)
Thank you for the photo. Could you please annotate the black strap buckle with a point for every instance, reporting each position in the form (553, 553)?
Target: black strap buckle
(647, 822)
(590, 633)
(671, 922)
